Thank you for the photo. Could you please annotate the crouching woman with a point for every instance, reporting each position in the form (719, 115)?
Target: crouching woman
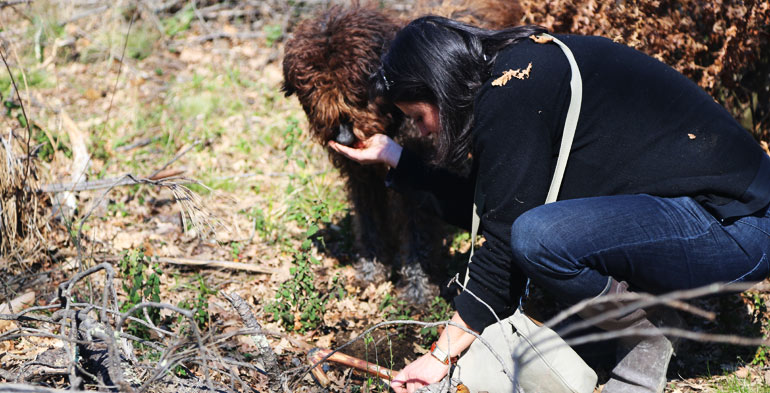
(663, 189)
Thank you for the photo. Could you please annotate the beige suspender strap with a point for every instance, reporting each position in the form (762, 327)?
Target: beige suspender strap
(475, 221)
(570, 125)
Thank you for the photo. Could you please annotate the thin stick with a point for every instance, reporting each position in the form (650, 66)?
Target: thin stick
(216, 36)
(216, 264)
(385, 374)
(178, 156)
(266, 354)
(671, 332)
(639, 300)
(85, 14)
(124, 180)
(21, 388)
(9, 3)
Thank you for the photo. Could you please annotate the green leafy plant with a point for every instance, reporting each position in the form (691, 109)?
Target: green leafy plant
(438, 310)
(298, 296)
(762, 355)
(733, 384)
(141, 41)
(180, 21)
(312, 210)
(141, 283)
(291, 139)
(273, 33)
(373, 384)
(262, 224)
(200, 305)
(235, 250)
(395, 308)
(118, 209)
(47, 149)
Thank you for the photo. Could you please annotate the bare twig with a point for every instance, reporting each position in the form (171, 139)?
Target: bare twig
(384, 373)
(96, 184)
(20, 388)
(672, 332)
(64, 294)
(216, 264)
(173, 160)
(266, 354)
(84, 14)
(8, 3)
(163, 366)
(218, 35)
(186, 261)
(200, 16)
(225, 336)
(641, 300)
(133, 145)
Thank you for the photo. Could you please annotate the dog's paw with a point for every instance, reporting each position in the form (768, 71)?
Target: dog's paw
(370, 270)
(414, 286)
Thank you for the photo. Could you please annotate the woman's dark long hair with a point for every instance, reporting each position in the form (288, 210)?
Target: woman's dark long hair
(444, 62)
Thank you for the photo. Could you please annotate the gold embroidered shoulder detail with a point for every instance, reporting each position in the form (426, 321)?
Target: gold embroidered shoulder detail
(517, 73)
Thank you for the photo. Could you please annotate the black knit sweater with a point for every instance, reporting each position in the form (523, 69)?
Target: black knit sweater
(643, 128)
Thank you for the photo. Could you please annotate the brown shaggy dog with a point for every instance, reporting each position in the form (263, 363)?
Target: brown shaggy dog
(327, 64)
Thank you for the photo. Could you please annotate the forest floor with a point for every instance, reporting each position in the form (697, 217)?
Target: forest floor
(193, 91)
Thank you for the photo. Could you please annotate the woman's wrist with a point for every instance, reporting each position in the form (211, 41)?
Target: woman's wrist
(442, 355)
(454, 340)
(392, 153)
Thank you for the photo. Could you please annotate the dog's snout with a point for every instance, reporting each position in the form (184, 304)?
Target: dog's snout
(345, 134)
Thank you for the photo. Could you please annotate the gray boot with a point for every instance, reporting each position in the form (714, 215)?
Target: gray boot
(643, 359)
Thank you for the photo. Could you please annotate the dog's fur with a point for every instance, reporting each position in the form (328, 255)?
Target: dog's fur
(327, 64)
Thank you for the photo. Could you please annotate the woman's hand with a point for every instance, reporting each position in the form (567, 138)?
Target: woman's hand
(427, 369)
(421, 372)
(377, 149)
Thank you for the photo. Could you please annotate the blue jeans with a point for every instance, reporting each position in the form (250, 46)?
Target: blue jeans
(657, 245)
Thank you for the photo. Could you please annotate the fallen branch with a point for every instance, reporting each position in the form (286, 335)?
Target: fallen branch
(266, 354)
(9, 3)
(124, 180)
(156, 175)
(165, 174)
(133, 145)
(316, 354)
(215, 264)
(84, 14)
(19, 388)
(670, 332)
(183, 261)
(637, 300)
(229, 14)
(218, 35)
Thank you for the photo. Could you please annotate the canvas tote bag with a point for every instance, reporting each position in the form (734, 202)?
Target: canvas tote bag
(541, 361)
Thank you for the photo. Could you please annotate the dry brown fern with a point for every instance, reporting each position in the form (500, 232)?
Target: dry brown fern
(517, 73)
